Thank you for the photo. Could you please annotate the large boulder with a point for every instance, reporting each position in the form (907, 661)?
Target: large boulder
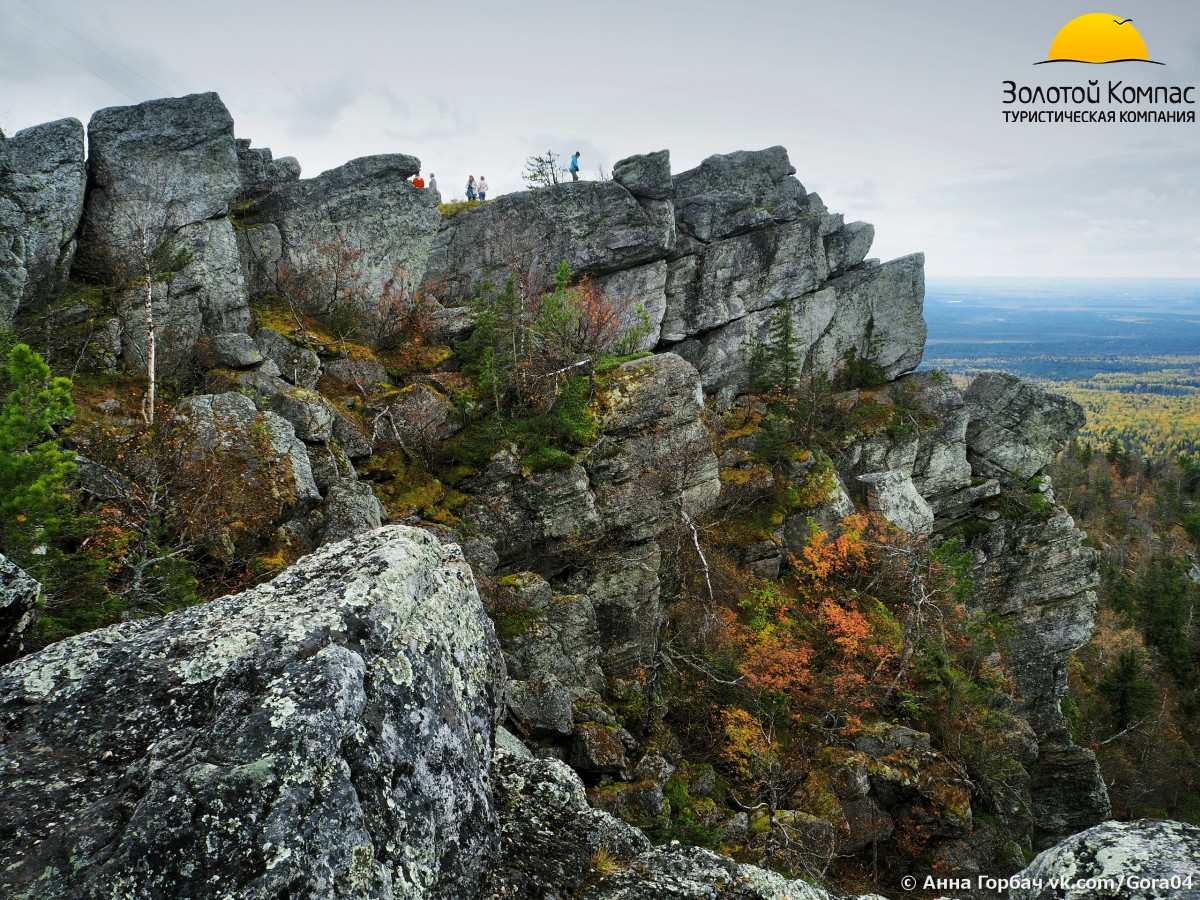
(1150, 859)
(366, 210)
(549, 836)
(167, 171)
(229, 424)
(763, 177)
(1016, 428)
(42, 184)
(697, 874)
(260, 172)
(19, 595)
(597, 228)
(327, 734)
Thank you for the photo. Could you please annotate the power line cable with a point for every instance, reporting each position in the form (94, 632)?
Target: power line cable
(80, 37)
(69, 56)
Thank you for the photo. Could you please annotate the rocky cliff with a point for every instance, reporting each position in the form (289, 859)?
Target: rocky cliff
(580, 561)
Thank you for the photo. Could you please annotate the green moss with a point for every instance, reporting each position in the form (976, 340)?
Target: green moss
(454, 207)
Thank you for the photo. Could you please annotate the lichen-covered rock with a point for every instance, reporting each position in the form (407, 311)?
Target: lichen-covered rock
(260, 172)
(876, 312)
(560, 639)
(1015, 426)
(415, 418)
(539, 707)
(310, 413)
(1035, 573)
(42, 186)
(169, 168)
(18, 601)
(595, 227)
(647, 175)
(549, 836)
(893, 495)
(697, 874)
(229, 422)
(235, 351)
(298, 365)
(350, 508)
(1149, 859)
(366, 208)
(327, 734)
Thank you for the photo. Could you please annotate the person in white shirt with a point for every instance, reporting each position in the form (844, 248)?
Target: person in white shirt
(432, 182)
(482, 188)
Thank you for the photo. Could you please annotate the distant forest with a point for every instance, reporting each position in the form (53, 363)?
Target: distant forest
(1127, 351)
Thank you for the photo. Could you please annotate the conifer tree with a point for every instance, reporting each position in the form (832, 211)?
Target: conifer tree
(32, 466)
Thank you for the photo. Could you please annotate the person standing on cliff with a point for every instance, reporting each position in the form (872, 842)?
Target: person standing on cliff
(575, 166)
(470, 187)
(483, 188)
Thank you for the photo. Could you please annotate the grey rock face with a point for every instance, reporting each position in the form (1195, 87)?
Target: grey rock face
(366, 206)
(260, 248)
(647, 176)
(596, 228)
(228, 421)
(326, 734)
(42, 184)
(1149, 859)
(763, 176)
(743, 274)
(847, 247)
(182, 146)
(548, 833)
(235, 351)
(876, 311)
(299, 365)
(641, 288)
(18, 600)
(1035, 574)
(350, 508)
(893, 495)
(168, 170)
(1016, 426)
(260, 173)
(698, 874)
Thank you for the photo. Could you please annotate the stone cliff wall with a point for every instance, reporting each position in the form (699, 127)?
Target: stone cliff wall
(713, 256)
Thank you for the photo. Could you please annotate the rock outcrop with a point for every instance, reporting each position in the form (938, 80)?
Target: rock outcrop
(166, 172)
(1149, 859)
(42, 181)
(326, 734)
(366, 208)
(650, 471)
(357, 713)
(19, 595)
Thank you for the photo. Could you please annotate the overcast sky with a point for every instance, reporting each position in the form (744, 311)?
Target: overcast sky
(891, 110)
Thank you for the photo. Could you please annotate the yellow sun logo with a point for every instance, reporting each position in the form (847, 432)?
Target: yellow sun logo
(1098, 38)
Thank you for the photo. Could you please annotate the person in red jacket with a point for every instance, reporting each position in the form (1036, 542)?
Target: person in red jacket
(418, 181)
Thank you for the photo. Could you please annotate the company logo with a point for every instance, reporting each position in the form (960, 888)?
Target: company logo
(1098, 38)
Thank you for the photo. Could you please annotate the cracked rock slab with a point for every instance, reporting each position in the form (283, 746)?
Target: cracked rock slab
(327, 734)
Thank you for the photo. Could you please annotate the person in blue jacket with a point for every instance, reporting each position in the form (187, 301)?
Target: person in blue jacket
(575, 166)
(470, 187)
